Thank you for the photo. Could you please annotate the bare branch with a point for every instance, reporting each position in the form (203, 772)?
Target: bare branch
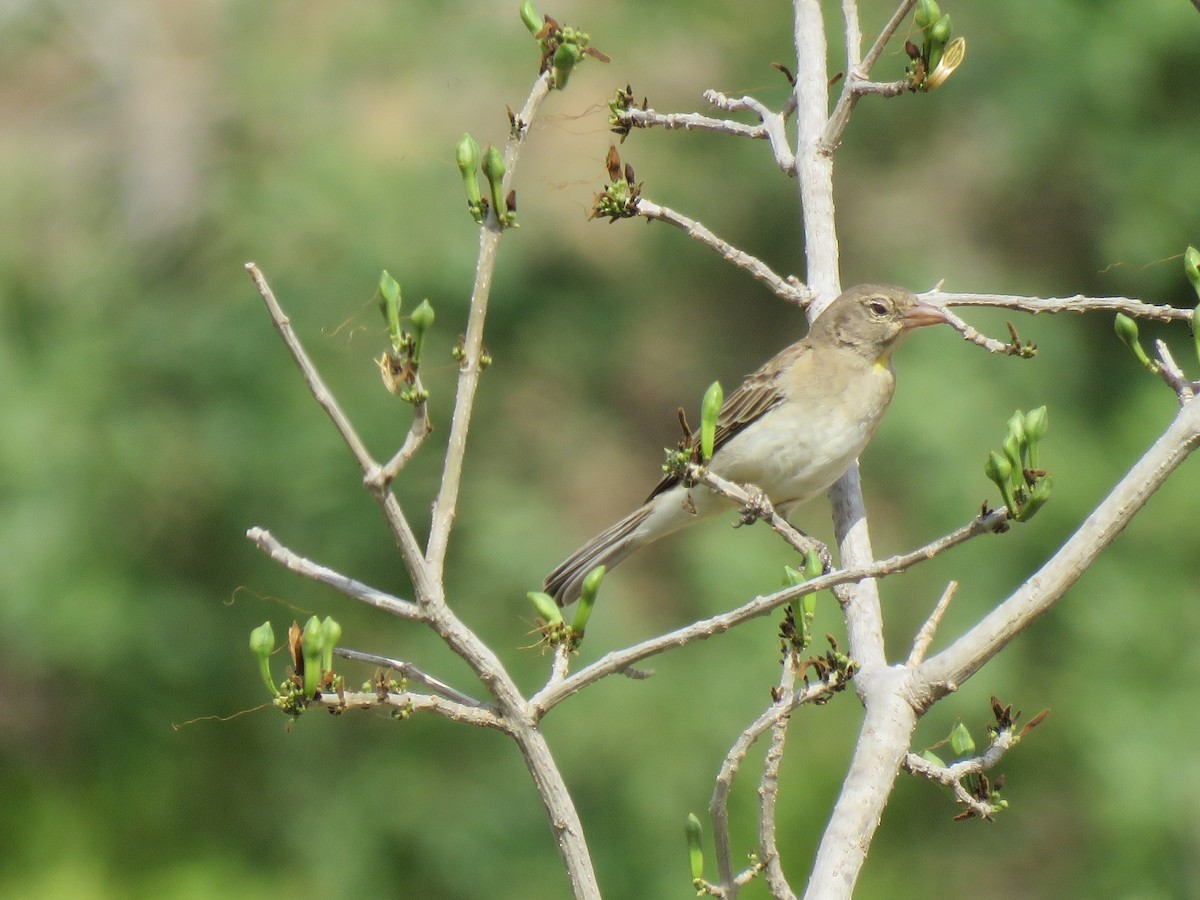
(755, 504)
(468, 379)
(412, 673)
(401, 531)
(772, 122)
(1170, 372)
(419, 430)
(312, 377)
(929, 629)
(949, 668)
(789, 288)
(407, 702)
(1077, 304)
(356, 590)
(619, 660)
(857, 81)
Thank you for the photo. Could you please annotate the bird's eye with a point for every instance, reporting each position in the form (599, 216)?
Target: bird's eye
(878, 307)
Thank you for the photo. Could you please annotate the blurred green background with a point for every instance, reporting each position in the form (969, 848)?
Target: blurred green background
(151, 416)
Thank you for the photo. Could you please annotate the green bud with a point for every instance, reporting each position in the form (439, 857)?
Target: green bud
(545, 607)
(927, 13)
(808, 608)
(422, 319)
(793, 577)
(695, 833)
(997, 469)
(710, 410)
(1012, 450)
(587, 600)
(531, 17)
(262, 644)
(940, 31)
(389, 305)
(1127, 330)
(1016, 426)
(565, 58)
(1036, 423)
(312, 645)
(814, 567)
(1191, 265)
(931, 757)
(466, 154)
(961, 741)
(493, 170)
(331, 633)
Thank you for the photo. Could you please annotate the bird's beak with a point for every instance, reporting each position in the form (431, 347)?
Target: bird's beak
(921, 314)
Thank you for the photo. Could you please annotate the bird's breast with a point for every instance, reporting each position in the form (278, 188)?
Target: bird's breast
(800, 447)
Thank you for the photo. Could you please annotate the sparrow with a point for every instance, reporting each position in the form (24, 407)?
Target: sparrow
(791, 429)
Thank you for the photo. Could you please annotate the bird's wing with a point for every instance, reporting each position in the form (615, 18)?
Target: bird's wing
(759, 393)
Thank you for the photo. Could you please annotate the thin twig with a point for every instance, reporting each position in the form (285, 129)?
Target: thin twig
(402, 532)
(789, 288)
(768, 793)
(407, 702)
(356, 590)
(754, 503)
(468, 380)
(420, 429)
(619, 660)
(952, 775)
(718, 806)
(412, 673)
(1170, 372)
(312, 377)
(856, 78)
(929, 629)
(772, 122)
(1077, 304)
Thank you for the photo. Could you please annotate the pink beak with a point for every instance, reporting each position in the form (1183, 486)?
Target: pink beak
(921, 314)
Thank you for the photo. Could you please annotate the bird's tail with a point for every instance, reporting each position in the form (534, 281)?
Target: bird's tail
(607, 548)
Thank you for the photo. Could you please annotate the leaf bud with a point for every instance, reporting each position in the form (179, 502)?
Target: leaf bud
(1191, 265)
(262, 644)
(565, 58)
(545, 607)
(587, 600)
(710, 409)
(331, 633)
(312, 645)
(695, 833)
(531, 17)
(927, 13)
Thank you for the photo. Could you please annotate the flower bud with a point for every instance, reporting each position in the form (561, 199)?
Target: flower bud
(927, 13)
(1191, 265)
(940, 31)
(389, 305)
(531, 17)
(545, 607)
(466, 155)
(262, 644)
(1016, 426)
(694, 833)
(312, 645)
(1036, 423)
(587, 600)
(565, 58)
(422, 318)
(710, 409)
(1127, 330)
(961, 741)
(493, 170)
(331, 633)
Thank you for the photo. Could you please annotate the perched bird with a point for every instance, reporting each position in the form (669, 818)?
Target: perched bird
(791, 429)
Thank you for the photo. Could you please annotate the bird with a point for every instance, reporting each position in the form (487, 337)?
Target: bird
(791, 429)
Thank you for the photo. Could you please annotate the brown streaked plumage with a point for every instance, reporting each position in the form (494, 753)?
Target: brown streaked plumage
(791, 429)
